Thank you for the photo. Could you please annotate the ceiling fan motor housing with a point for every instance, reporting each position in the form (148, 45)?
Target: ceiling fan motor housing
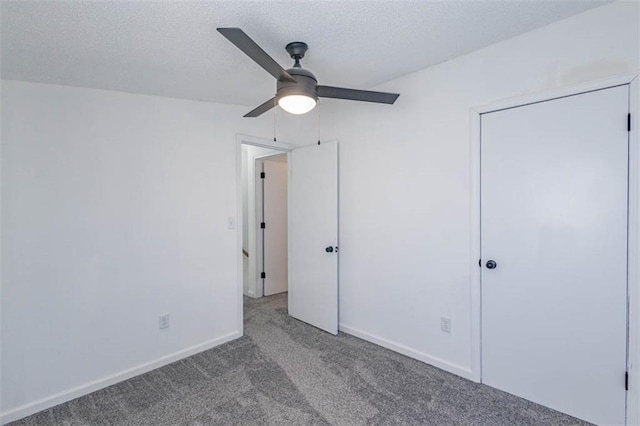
(306, 84)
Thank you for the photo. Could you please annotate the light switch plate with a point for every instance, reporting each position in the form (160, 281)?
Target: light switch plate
(231, 222)
(445, 324)
(163, 321)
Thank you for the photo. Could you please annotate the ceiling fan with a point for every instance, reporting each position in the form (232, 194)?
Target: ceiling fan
(297, 89)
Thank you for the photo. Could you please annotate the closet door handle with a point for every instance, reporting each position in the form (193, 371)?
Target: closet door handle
(491, 264)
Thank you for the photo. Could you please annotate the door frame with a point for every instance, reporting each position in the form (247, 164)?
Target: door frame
(633, 238)
(242, 139)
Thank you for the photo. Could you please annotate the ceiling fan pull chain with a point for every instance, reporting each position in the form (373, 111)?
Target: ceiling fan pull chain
(318, 123)
(274, 122)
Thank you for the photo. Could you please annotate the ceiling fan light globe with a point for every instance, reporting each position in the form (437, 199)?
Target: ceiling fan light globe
(297, 104)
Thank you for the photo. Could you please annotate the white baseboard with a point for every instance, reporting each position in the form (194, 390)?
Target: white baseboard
(78, 391)
(411, 353)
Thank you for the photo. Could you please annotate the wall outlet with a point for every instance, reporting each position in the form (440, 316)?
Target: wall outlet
(163, 321)
(445, 324)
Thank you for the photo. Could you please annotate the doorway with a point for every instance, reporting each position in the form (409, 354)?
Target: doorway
(253, 154)
(311, 227)
(553, 252)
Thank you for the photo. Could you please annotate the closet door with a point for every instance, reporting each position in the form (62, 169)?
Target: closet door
(554, 252)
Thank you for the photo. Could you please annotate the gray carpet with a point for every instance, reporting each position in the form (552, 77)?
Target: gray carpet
(284, 372)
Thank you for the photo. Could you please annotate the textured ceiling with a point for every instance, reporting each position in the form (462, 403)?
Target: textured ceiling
(172, 48)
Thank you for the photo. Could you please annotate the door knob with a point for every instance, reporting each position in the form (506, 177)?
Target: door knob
(491, 264)
(329, 249)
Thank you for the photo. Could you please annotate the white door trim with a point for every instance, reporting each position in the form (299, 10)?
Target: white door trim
(263, 143)
(633, 275)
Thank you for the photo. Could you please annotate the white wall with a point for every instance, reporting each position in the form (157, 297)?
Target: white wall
(114, 211)
(405, 178)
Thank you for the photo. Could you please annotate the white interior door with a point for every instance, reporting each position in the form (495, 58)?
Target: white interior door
(275, 232)
(554, 219)
(313, 235)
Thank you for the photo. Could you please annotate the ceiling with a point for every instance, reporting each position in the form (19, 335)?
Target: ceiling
(172, 48)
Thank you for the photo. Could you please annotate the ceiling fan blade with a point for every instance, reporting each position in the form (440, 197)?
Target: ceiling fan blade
(357, 95)
(262, 108)
(255, 52)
